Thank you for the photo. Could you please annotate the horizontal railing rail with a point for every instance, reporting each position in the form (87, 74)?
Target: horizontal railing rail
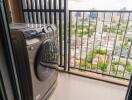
(126, 11)
(100, 41)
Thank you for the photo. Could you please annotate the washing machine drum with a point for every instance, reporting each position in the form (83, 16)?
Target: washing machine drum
(46, 62)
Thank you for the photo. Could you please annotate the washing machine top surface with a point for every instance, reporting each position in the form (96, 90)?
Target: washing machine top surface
(24, 26)
(33, 32)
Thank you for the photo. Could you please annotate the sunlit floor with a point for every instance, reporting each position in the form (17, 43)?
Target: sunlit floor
(71, 87)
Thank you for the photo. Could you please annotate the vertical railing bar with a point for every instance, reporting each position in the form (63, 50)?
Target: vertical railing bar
(65, 34)
(128, 55)
(55, 12)
(81, 40)
(105, 60)
(109, 37)
(43, 12)
(50, 16)
(115, 40)
(41, 18)
(32, 11)
(87, 40)
(101, 40)
(37, 13)
(60, 33)
(45, 7)
(75, 40)
(23, 14)
(52, 12)
(28, 12)
(123, 43)
(69, 40)
(94, 39)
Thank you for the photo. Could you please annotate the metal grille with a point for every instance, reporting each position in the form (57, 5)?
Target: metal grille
(49, 12)
(100, 42)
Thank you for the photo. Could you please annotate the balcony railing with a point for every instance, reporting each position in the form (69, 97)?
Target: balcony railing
(100, 42)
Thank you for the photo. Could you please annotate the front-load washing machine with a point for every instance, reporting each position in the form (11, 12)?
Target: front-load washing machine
(35, 49)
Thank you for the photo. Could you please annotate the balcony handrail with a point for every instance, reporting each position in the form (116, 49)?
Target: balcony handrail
(127, 11)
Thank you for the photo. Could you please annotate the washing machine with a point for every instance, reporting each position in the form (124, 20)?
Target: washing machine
(35, 49)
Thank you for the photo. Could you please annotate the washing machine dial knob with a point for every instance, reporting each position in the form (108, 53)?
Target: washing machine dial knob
(31, 48)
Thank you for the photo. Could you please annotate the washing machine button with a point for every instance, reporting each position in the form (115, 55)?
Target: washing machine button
(31, 48)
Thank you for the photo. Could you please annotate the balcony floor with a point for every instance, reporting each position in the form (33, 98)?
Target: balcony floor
(71, 87)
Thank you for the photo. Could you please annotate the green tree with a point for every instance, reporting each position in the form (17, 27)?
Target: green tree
(102, 52)
(90, 56)
(113, 29)
(130, 39)
(105, 28)
(129, 68)
(102, 66)
(126, 45)
(84, 63)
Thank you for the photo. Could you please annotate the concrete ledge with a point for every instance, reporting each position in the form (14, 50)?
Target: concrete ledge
(99, 77)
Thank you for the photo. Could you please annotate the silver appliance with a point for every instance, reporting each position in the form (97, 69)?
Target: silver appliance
(35, 50)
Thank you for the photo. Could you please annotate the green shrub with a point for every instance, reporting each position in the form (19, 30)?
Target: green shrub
(79, 26)
(105, 28)
(94, 66)
(113, 29)
(120, 32)
(80, 34)
(88, 31)
(126, 45)
(117, 63)
(102, 52)
(114, 64)
(129, 68)
(113, 68)
(130, 39)
(90, 56)
(102, 66)
(84, 63)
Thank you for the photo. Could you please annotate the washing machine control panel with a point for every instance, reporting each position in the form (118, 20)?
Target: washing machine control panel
(35, 34)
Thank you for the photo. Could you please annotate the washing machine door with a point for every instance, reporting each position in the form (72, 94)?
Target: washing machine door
(46, 60)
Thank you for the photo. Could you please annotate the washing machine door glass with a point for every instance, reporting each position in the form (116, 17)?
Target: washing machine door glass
(46, 60)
